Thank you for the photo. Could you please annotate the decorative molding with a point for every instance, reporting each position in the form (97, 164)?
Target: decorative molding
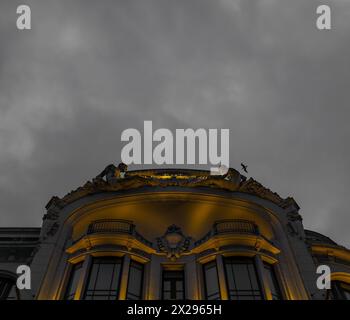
(294, 216)
(253, 187)
(232, 181)
(53, 208)
(331, 251)
(292, 230)
(52, 230)
(173, 243)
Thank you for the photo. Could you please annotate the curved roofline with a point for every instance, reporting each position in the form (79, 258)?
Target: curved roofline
(319, 237)
(171, 170)
(117, 180)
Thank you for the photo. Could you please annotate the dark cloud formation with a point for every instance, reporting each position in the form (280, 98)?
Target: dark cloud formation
(89, 69)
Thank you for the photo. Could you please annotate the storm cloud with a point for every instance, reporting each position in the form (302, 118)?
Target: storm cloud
(87, 70)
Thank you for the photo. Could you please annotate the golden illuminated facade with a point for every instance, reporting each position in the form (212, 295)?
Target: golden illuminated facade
(177, 234)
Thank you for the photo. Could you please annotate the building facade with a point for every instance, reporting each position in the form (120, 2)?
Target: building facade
(171, 234)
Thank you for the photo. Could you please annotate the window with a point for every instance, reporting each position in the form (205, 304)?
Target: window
(340, 290)
(272, 282)
(242, 280)
(13, 294)
(73, 281)
(8, 290)
(104, 279)
(135, 281)
(212, 290)
(173, 285)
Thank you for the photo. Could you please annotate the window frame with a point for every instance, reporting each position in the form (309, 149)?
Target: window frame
(213, 262)
(244, 260)
(8, 283)
(89, 272)
(275, 280)
(337, 290)
(142, 279)
(72, 271)
(182, 272)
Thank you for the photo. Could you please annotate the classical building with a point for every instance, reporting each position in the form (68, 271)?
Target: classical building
(171, 234)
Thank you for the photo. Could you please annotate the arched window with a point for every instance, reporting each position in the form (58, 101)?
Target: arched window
(8, 289)
(340, 290)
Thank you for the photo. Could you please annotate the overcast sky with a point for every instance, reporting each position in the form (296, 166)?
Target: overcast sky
(90, 69)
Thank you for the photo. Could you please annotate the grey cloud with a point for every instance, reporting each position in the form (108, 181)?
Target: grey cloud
(88, 70)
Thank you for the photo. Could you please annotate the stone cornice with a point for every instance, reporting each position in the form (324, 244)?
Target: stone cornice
(232, 181)
(329, 250)
(254, 187)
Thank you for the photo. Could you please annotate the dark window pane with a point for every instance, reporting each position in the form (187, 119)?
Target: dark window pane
(104, 279)
(166, 285)
(241, 276)
(345, 287)
(116, 275)
(211, 281)
(242, 280)
(135, 281)
(230, 277)
(8, 289)
(340, 290)
(347, 295)
(93, 276)
(73, 281)
(173, 285)
(252, 277)
(13, 293)
(272, 282)
(179, 285)
(166, 296)
(105, 275)
(4, 288)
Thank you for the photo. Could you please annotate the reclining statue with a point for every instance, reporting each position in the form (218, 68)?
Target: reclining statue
(112, 172)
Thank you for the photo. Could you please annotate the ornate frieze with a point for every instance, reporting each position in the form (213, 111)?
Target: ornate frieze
(53, 229)
(232, 181)
(173, 243)
(251, 186)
